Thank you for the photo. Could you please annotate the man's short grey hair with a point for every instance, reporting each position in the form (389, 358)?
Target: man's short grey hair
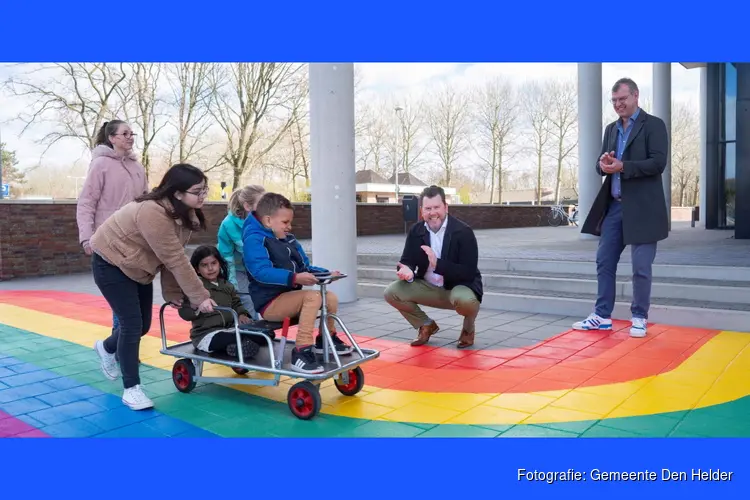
(632, 86)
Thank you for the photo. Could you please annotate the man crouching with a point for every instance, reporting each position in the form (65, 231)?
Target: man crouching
(438, 268)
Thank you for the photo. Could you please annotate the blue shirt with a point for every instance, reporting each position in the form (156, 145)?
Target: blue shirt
(622, 139)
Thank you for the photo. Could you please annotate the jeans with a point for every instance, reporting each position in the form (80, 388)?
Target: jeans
(132, 304)
(608, 256)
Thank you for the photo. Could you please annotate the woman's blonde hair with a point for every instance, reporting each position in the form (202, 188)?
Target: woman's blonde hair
(248, 194)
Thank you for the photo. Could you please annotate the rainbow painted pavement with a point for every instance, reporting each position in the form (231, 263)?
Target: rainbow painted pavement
(678, 382)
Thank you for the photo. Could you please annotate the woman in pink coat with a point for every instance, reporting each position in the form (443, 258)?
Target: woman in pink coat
(115, 178)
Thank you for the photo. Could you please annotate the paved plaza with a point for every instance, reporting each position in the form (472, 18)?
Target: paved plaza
(526, 375)
(685, 246)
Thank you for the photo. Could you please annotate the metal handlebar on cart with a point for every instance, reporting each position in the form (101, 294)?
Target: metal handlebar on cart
(328, 278)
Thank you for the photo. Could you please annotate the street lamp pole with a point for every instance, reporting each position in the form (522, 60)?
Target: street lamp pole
(1, 167)
(399, 110)
(76, 178)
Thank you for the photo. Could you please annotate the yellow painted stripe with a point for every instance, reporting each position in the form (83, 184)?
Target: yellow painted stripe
(717, 373)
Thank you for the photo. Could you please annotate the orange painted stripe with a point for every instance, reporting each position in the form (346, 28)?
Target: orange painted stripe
(571, 359)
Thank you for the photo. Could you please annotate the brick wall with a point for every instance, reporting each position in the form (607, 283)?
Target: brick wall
(41, 238)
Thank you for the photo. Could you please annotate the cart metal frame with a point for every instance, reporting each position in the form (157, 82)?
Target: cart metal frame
(304, 397)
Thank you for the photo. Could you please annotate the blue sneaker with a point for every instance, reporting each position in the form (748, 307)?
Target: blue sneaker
(593, 322)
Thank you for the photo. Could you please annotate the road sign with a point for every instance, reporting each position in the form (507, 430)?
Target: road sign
(6, 190)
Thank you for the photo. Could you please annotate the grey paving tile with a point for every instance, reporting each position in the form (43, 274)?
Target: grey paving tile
(496, 334)
(515, 327)
(513, 315)
(514, 342)
(549, 318)
(543, 333)
(480, 343)
(407, 334)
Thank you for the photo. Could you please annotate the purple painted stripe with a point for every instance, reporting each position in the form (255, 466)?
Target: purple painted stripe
(12, 427)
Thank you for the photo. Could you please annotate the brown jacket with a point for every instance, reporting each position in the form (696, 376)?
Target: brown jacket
(143, 239)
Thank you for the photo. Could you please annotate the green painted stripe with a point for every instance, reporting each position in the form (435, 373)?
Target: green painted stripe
(231, 413)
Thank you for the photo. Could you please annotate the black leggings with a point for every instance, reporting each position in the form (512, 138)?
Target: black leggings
(133, 304)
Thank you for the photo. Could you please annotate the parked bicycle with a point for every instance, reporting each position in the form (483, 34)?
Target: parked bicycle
(559, 215)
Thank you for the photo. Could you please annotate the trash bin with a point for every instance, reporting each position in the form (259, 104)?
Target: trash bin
(410, 208)
(410, 204)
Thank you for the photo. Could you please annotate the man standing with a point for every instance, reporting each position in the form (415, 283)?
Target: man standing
(438, 268)
(630, 208)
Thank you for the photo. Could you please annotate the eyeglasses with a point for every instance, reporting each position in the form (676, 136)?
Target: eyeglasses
(618, 100)
(127, 135)
(200, 194)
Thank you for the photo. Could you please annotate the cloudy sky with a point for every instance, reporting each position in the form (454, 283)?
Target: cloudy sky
(378, 79)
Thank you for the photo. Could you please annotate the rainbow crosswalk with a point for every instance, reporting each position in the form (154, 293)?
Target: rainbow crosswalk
(677, 382)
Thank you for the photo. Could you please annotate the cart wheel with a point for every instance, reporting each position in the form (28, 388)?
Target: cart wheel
(304, 400)
(240, 371)
(356, 382)
(183, 375)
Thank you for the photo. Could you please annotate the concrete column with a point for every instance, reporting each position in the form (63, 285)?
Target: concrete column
(662, 84)
(589, 137)
(703, 145)
(334, 218)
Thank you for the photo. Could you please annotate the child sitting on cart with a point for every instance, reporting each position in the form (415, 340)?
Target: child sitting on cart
(214, 332)
(277, 269)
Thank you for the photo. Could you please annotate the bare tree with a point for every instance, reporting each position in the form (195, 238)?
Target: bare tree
(447, 117)
(254, 109)
(495, 108)
(407, 134)
(536, 102)
(563, 118)
(75, 98)
(371, 132)
(685, 146)
(193, 89)
(299, 134)
(142, 107)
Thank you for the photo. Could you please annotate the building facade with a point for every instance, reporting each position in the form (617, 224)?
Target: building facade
(725, 178)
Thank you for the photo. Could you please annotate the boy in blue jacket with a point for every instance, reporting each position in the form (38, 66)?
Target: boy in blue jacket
(278, 268)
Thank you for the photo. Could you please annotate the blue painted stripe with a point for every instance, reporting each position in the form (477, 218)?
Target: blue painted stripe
(62, 407)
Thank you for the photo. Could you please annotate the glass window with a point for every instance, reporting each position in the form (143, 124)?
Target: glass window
(730, 102)
(730, 164)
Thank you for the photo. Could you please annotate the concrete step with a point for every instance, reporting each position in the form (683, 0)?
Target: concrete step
(557, 284)
(582, 268)
(689, 313)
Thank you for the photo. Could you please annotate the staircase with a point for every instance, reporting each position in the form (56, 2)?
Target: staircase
(713, 297)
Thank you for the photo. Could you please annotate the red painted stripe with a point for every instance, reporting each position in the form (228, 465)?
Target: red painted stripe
(568, 360)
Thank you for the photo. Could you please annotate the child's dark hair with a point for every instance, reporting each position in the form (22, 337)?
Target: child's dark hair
(204, 251)
(270, 203)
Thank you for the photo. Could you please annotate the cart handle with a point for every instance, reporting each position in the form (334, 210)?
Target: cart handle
(236, 318)
(328, 278)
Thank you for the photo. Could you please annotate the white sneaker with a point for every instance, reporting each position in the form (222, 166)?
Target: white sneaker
(135, 399)
(638, 329)
(593, 322)
(108, 361)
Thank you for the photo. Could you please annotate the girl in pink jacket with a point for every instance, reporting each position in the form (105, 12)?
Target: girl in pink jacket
(115, 178)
